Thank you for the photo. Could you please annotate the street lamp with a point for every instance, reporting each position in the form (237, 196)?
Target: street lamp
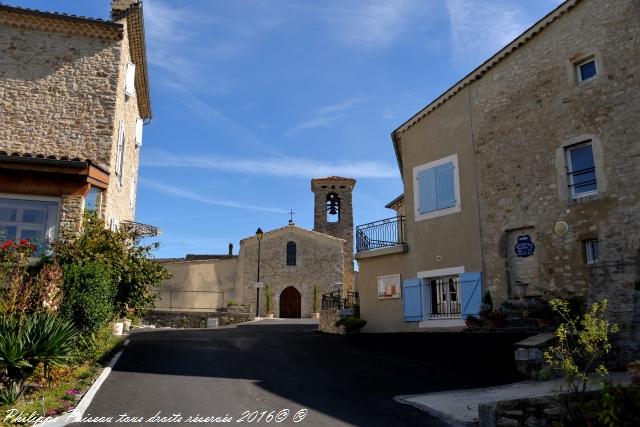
(259, 235)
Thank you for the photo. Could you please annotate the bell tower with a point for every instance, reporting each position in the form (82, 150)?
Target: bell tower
(333, 215)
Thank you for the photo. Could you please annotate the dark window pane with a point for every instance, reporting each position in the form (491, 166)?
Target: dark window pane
(583, 170)
(587, 70)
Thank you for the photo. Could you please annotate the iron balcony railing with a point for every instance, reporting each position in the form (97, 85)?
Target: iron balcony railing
(380, 234)
(334, 300)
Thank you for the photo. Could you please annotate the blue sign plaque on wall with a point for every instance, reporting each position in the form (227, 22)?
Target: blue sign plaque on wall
(524, 247)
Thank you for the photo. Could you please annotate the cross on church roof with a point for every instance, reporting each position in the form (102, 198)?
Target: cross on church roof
(291, 212)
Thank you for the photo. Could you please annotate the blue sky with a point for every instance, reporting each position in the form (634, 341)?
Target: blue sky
(251, 99)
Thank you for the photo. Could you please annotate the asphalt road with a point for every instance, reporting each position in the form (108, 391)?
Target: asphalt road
(278, 366)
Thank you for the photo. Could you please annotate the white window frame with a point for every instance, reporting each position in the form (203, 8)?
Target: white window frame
(130, 79)
(572, 188)
(582, 62)
(132, 193)
(416, 190)
(588, 250)
(120, 149)
(394, 296)
(52, 229)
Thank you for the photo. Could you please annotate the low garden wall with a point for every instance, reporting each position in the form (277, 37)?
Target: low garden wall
(328, 319)
(194, 319)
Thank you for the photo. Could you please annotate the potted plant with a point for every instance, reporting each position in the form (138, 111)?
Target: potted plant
(268, 301)
(497, 319)
(487, 306)
(472, 321)
(316, 313)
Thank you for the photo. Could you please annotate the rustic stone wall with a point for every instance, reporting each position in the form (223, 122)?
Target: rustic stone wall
(525, 111)
(319, 262)
(71, 215)
(120, 199)
(162, 319)
(57, 93)
(343, 228)
(328, 319)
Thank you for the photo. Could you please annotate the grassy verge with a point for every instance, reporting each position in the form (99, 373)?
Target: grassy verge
(65, 386)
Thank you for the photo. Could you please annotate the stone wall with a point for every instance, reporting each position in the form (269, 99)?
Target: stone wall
(319, 262)
(162, 319)
(343, 227)
(525, 111)
(328, 319)
(532, 412)
(57, 93)
(120, 199)
(71, 216)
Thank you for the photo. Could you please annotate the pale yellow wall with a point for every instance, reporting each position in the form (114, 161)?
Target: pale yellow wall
(199, 285)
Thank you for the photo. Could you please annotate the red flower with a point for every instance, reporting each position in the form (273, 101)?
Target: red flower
(6, 244)
(24, 242)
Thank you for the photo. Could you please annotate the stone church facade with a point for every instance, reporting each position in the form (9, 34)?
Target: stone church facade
(293, 260)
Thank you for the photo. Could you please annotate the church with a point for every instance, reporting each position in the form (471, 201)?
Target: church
(287, 263)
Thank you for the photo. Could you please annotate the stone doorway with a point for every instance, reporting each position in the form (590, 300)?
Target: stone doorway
(290, 303)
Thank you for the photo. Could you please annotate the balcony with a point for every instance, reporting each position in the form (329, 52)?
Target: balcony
(383, 237)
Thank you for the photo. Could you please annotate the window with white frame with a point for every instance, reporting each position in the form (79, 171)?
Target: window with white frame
(389, 287)
(130, 79)
(437, 188)
(592, 251)
(28, 219)
(586, 69)
(120, 153)
(581, 170)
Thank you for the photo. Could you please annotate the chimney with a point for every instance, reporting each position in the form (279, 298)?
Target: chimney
(118, 7)
(230, 249)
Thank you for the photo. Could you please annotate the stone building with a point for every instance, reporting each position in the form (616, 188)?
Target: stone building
(520, 178)
(293, 260)
(74, 95)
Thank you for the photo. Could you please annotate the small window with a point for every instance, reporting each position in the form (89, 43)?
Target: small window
(581, 170)
(592, 251)
(436, 188)
(130, 79)
(132, 192)
(389, 287)
(139, 124)
(291, 253)
(586, 70)
(120, 153)
(92, 200)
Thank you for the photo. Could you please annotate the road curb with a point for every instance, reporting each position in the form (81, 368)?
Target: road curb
(78, 412)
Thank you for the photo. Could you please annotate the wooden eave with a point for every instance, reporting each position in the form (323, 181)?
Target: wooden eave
(86, 170)
(59, 23)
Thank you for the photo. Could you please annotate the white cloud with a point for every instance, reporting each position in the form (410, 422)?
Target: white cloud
(480, 28)
(328, 114)
(373, 24)
(274, 166)
(189, 195)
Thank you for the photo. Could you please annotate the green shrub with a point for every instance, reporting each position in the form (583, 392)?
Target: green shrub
(25, 342)
(89, 295)
(97, 346)
(132, 270)
(351, 324)
(619, 406)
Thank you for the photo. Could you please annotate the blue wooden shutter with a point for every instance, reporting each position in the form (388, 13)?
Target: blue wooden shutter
(470, 293)
(445, 187)
(427, 191)
(412, 295)
(426, 298)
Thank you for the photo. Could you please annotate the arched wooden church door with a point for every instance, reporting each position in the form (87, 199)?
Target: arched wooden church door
(290, 303)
